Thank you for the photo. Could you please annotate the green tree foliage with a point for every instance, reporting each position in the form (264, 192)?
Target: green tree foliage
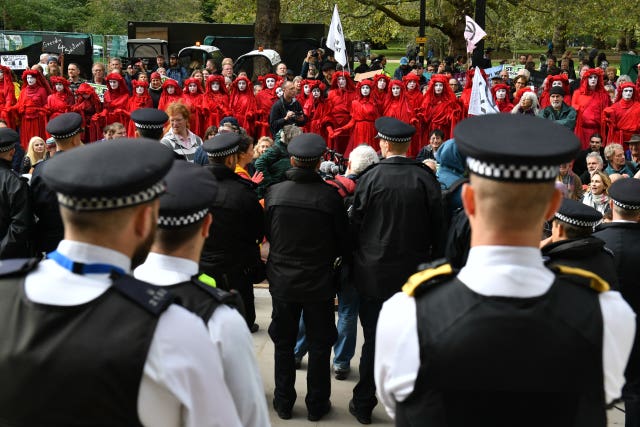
(41, 15)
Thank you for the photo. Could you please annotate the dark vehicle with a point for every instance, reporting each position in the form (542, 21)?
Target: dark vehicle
(147, 49)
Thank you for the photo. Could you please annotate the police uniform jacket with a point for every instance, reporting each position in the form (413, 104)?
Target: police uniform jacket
(48, 227)
(168, 395)
(307, 227)
(238, 225)
(397, 221)
(16, 217)
(497, 276)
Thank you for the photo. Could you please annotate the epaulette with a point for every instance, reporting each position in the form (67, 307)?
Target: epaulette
(430, 275)
(154, 299)
(17, 266)
(208, 284)
(589, 278)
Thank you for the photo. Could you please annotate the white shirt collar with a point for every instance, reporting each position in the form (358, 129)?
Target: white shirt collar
(87, 253)
(165, 269)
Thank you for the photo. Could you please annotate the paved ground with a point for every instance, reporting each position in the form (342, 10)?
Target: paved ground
(341, 390)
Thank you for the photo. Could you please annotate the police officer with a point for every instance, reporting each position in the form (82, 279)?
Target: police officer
(231, 253)
(398, 224)
(149, 122)
(16, 216)
(506, 341)
(307, 227)
(572, 244)
(65, 129)
(622, 236)
(87, 343)
(183, 225)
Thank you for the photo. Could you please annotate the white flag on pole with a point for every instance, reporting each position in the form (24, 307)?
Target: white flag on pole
(481, 101)
(335, 39)
(473, 33)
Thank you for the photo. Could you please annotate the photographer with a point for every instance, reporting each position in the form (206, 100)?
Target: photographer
(287, 110)
(315, 57)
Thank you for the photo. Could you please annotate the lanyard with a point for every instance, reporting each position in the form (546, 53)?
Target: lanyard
(80, 268)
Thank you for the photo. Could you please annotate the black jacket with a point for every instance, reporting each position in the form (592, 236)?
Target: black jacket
(588, 253)
(16, 216)
(307, 226)
(278, 112)
(397, 224)
(49, 229)
(238, 226)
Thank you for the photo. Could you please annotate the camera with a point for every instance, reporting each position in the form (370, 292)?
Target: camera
(314, 53)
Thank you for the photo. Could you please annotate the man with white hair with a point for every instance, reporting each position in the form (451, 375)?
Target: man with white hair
(594, 164)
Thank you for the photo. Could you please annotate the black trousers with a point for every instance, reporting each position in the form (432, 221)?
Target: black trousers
(242, 284)
(364, 393)
(319, 319)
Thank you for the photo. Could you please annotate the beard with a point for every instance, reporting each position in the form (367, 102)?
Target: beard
(141, 252)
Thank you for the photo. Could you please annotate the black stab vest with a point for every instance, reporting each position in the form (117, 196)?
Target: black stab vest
(502, 361)
(75, 365)
(202, 299)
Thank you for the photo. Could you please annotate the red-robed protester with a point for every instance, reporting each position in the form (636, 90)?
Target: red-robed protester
(414, 98)
(87, 105)
(265, 100)
(171, 92)
(341, 94)
(317, 110)
(115, 106)
(589, 101)
(396, 104)
(440, 108)
(61, 100)
(215, 102)
(139, 99)
(7, 97)
(305, 93)
(32, 106)
(502, 98)
(560, 80)
(380, 90)
(622, 119)
(192, 95)
(363, 116)
(243, 103)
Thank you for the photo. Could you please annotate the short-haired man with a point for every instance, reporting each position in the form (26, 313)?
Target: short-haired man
(617, 162)
(183, 225)
(301, 270)
(397, 222)
(287, 110)
(558, 110)
(622, 236)
(98, 73)
(49, 230)
(594, 164)
(16, 226)
(73, 72)
(176, 71)
(595, 145)
(506, 331)
(88, 343)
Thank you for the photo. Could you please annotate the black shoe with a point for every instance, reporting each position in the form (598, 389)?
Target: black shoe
(316, 417)
(284, 414)
(298, 362)
(362, 418)
(254, 328)
(341, 374)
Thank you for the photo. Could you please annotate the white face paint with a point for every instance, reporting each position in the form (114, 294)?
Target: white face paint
(396, 90)
(279, 92)
(305, 88)
(139, 90)
(31, 80)
(342, 82)
(365, 90)
(382, 84)
(271, 82)
(501, 94)
(437, 88)
(411, 85)
(593, 80)
(113, 84)
(171, 90)
(316, 92)
(556, 83)
(193, 88)
(215, 86)
(627, 93)
(59, 87)
(242, 85)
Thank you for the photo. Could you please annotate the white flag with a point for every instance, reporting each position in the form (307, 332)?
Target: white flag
(473, 33)
(481, 101)
(335, 39)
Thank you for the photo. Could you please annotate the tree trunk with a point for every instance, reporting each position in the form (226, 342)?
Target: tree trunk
(267, 31)
(559, 38)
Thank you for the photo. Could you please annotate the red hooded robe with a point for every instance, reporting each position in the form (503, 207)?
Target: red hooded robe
(138, 101)
(397, 106)
(194, 102)
(590, 105)
(362, 124)
(59, 102)
(503, 104)
(439, 111)
(243, 105)
(622, 119)
(265, 100)
(215, 104)
(340, 109)
(32, 107)
(317, 111)
(549, 83)
(166, 98)
(379, 96)
(7, 97)
(87, 105)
